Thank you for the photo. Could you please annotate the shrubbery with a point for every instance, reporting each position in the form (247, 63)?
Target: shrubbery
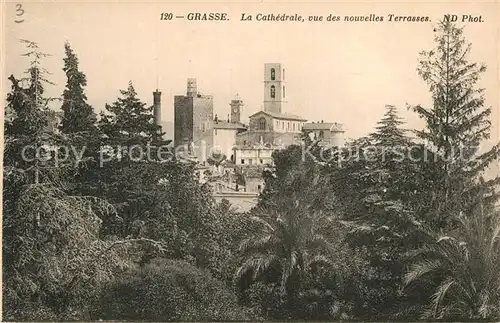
(168, 290)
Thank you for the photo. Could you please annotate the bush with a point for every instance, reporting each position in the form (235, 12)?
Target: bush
(167, 290)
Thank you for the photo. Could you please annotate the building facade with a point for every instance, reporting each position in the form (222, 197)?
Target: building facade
(327, 133)
(253, 156)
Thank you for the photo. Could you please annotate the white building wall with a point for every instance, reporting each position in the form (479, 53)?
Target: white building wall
(253, 156)
(225, 140)
(337, 138)
(282, 126)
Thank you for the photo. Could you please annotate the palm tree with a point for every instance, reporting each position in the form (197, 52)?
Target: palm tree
(287, 242)
(466, 267)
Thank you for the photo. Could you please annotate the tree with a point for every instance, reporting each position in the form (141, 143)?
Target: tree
(462, 267)
(78, 115)
(283, 246)
(216, 159)
(51, 250)
(29, 129)
(456, 124)
(28, 137)
(378, 187)
(55, 262)
(295, 171)
(128, 121)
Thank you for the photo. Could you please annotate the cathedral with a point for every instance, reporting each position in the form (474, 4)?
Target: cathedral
(244, 150)
(205, 134)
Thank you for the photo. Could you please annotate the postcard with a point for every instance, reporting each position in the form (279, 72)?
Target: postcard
(250, 161)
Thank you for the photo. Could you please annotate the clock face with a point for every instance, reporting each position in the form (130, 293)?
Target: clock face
(235, 110)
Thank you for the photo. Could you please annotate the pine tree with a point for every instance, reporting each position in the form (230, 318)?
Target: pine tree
(389, 131)
(29, 130)
(376, 185)
(128, 121)
(456, 124)
(78, 115)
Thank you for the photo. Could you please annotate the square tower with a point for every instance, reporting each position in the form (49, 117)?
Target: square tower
(274, 87)
(193, 118)
(236, 107)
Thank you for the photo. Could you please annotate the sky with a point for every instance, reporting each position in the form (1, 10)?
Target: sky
(336, 71)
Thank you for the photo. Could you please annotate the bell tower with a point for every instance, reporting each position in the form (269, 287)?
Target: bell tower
(274, 87)
(236, 106)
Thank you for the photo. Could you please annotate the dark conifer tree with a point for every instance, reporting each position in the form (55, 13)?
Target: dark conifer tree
(31, 118)
(376, 184)
(128, 120)
(457, 124)
(78, 115)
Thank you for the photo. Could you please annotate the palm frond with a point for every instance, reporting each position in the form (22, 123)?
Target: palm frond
(318, 259)
(420, 269)
(253, 243)
(439, 295)
(263, 222)
(257, 264)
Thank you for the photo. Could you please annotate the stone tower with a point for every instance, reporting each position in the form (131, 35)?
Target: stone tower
(193, 121)
(274, 87)
(236, 106)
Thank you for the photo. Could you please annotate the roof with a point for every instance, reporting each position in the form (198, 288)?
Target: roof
(280, 115)
(332, 126)
(228, 125)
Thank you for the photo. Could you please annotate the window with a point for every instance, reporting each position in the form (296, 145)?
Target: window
(283, 91)
(250, 162)
(258, 188)
(262, 123)
(262, 161)
(293, 126)
(273, 92)
(242, 161)
(283, 78)
(283, 125)
(273, 74)
(321, 134)
(288, 126)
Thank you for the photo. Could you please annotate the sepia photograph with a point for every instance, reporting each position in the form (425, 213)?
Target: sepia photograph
(250, 161)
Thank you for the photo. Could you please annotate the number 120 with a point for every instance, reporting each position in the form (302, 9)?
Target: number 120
(166, 16)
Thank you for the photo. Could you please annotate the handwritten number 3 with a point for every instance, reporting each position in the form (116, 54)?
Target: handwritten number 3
(19, 12)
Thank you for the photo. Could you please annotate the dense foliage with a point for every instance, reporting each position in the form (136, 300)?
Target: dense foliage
(398, 225)
(170, 291)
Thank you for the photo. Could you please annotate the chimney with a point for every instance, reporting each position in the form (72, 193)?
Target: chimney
(157, 107)
(216, 118)
(228, 118)
(191, 87)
